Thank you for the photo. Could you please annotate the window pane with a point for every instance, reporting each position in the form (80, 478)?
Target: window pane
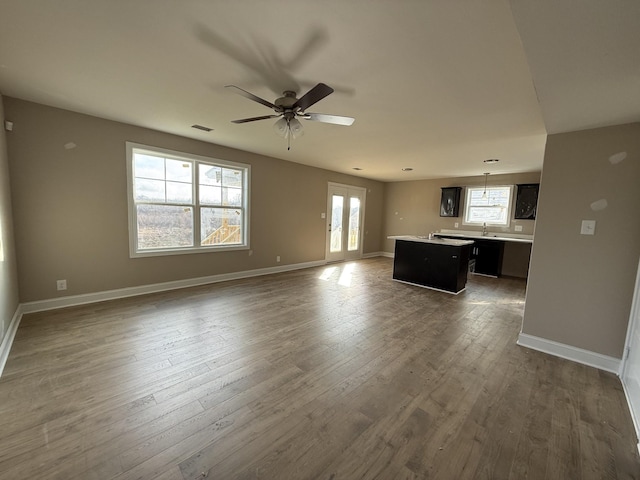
(220, 226)
(179, 192)
(232, 196)
(210, 175)
(149, 190)
(490, 206)
(354, 224)
(478, 198)
(210, 195)
(164, 226)
(231, 178)
(171, 191)
(148, 166)
(337, 201)
(179, 170)
(487, 215)
(498, 196)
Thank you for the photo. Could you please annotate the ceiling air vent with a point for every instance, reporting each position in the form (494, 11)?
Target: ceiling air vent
(202, 127)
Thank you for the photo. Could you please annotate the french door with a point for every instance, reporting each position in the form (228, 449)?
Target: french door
(630, 368)
(345, 207)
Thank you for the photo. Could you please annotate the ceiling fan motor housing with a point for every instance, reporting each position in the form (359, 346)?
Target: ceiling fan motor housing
(287, 100)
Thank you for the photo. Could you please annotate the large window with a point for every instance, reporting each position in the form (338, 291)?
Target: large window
(181, 203)
(491, 205)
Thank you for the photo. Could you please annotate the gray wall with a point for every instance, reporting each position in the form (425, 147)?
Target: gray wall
(8, 271)
(70, 206)
(580, 287)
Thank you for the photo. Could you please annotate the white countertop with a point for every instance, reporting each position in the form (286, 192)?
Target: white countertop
(504, 237)
(425, 239)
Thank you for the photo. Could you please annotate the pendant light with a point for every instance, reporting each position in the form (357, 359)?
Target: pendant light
(484, 194)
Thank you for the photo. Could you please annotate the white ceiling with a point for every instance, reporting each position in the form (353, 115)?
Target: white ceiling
(436, 85)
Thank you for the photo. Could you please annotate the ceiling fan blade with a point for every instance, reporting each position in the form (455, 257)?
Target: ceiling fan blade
(253, 119)
(335, 119)
(314, 95)
(253, 97)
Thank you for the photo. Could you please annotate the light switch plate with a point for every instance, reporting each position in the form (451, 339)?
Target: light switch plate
(588, 227)
(518, 228)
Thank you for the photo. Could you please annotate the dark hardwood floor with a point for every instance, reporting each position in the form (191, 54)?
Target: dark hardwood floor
(334, 373)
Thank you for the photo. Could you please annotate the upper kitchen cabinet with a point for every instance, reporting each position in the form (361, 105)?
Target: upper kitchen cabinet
(450, 201)
(526, 201)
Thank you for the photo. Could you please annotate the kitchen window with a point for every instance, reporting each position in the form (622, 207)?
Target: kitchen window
(182, 203)
(490, 205)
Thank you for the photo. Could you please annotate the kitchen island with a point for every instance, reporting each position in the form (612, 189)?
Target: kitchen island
(436, 263)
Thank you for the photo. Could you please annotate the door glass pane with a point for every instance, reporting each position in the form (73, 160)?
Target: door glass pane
(337, 203)
(354, 224)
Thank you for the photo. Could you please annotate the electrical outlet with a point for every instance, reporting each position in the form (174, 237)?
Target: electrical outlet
(518, 228)
(61, 284)
(588, 227)
(278, 258)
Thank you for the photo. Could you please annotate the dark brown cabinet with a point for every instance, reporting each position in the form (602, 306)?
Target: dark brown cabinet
(450, 201)
(526, 201)
(488, 256)
(439, 266)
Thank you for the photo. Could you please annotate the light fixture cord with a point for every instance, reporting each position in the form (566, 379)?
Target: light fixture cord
(484, 195)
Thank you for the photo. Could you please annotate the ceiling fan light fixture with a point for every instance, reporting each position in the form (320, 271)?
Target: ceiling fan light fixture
(288, 127)
(295, 128)
(281, 127)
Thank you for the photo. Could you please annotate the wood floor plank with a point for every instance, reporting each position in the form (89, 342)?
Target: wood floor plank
(333, 372)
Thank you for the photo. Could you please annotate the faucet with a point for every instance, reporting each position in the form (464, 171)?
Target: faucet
(484, 229)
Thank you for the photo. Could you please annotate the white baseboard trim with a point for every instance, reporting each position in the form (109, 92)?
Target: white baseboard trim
(631, 392)
(72, 300)
(373, 254)
(568, 352)
(387, 254)
(7, 340)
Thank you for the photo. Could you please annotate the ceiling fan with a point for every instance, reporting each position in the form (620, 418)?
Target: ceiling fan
(289, 108)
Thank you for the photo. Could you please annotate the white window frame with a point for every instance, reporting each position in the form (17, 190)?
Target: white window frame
(195, 160)
(489, 188)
